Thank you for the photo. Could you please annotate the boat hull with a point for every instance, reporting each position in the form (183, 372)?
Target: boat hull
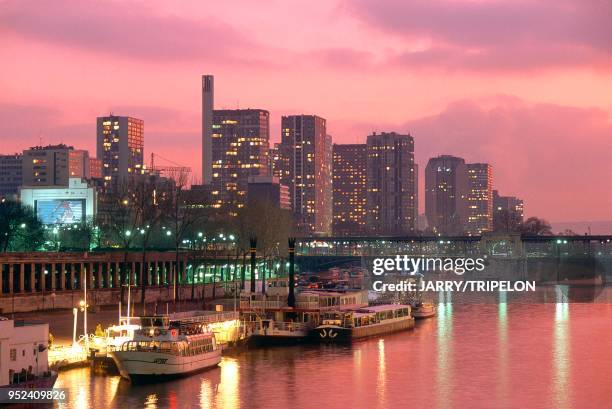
(280, 339)
(334, 333)
(154, 367)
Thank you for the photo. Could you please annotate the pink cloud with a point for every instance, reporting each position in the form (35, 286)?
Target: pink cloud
(512, 35)
(133, 30)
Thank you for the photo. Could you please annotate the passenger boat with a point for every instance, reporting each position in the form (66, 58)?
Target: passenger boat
(269, 320)
(347, 326)
(162, 350)
(422, 310)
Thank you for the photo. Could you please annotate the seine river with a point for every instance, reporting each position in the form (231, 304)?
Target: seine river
(469, 356)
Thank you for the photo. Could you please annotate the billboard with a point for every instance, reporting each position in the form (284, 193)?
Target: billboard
(60, 211)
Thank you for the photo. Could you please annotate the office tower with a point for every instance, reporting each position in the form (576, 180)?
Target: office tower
(446, 190)
(349, 189)
(305, 167)
(53, 165)
(10, 174)
(390, 181)
(480, 198)
(240, 148)
(507, 212)
(120, 146)
(207, 122)
(268, 189)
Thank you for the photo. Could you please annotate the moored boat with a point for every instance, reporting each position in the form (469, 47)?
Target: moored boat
(347, 326)
(269, 320)
(421, 310)
(164, 350)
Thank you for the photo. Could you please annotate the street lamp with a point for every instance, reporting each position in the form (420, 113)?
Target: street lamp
(128, 233)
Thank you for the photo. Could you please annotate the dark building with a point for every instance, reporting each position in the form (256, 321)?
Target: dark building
(120, 146)
(446, 191)
(268, 189)
(480, 198)
(10, 174)
(349, 189)
(240, 149)
(507, 212)
(53, 165)
(305, 168)
(390, 180)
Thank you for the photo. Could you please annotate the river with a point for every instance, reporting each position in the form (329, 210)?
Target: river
(469, 356)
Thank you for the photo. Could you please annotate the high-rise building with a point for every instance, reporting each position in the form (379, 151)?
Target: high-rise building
(10, 174)
(446, 191)
(240, 148)
(507, 212)
(120, 146)
(305, 167)
(480, 198)
(349, 189)
(207, 123)
(390, 181)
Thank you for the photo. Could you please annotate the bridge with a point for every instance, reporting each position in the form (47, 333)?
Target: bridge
(545, 258)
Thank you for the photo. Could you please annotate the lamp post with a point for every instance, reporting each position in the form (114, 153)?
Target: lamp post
(253, 252)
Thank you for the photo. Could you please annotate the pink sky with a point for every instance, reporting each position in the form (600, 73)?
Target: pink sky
(524, 85)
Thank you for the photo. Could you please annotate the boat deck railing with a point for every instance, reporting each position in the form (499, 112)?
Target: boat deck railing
(282, 326)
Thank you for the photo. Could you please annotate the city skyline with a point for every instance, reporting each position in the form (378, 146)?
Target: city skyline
(519, 114)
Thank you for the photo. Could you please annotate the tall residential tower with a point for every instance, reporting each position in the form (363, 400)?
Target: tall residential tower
(446, 191)
(390, 181)
(305, 167)
(120, 146)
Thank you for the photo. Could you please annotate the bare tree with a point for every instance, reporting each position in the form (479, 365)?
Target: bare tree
(271, 225)
(183, 209)
(121, 223)
(148, 214)
(536, 226)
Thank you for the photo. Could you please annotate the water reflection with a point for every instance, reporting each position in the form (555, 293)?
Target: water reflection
(444, 367)
(502, 349)
(469, 356)
(561, 352)
(382, 374)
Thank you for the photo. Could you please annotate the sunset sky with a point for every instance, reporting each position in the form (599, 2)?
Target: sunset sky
(524, 85)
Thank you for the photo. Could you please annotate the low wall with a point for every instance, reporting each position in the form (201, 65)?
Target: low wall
(29, 302)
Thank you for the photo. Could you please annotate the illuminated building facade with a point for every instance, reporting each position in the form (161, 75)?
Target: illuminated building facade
(305, 166)
(120, 146)
(390, 181)
(446, 192)
(349, 189)
(240, 149)
(479, 198)
(10, 174)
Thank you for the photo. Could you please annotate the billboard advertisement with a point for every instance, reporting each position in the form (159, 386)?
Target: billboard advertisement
(61, 211)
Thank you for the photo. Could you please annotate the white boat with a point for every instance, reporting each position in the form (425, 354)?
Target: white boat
(348, 326)
(161, 351)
